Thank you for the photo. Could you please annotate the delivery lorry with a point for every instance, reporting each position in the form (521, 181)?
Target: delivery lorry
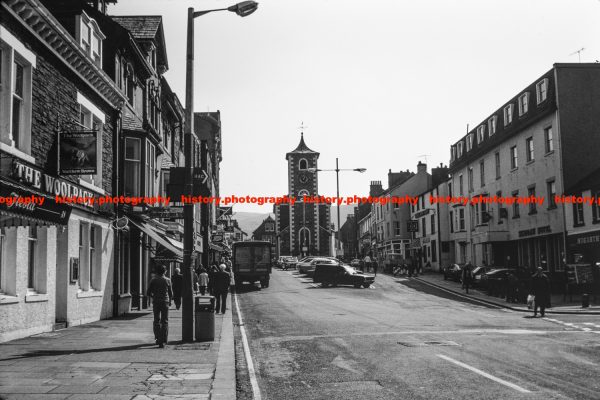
(252, 262)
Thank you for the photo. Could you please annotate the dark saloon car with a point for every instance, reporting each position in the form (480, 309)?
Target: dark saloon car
(453, 272)
(342, 274)
(478, 273)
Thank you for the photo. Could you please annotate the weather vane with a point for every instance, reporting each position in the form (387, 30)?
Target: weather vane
(302, 127)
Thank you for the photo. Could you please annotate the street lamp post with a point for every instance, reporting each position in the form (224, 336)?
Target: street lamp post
(242, 9)
(337, 181)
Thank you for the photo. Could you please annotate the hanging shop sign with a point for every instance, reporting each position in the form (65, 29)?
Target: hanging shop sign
(78, 153)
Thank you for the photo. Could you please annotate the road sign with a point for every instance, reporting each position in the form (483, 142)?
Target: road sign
(166, 213)
(412, 225)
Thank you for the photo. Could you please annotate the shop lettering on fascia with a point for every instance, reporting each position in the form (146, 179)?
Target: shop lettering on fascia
(48, 183)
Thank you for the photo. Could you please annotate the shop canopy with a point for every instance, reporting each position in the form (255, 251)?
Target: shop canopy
(161, 238)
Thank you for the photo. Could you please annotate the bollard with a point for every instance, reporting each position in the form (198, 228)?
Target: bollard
(205, 318)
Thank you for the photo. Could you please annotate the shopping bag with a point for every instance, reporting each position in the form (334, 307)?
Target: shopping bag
(530, 301)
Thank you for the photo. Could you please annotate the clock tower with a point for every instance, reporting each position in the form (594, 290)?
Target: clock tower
(304, 228)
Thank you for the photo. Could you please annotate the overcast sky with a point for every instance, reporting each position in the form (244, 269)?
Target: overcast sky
(378, 83)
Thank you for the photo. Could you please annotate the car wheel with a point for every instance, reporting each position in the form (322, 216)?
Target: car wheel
(366, 285)
(357, 285)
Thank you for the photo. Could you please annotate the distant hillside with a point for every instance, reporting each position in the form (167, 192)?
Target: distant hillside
(249, 221)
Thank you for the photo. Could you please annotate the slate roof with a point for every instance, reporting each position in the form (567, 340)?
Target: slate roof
(302, 148)
(142, 27)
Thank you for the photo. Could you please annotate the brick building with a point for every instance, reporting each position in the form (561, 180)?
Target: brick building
(303, 228)
(56, 260)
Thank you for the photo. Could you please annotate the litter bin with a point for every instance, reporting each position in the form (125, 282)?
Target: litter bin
(205, 318)
(585, 300)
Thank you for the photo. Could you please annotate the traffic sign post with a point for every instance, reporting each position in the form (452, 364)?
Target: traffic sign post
(412, 225)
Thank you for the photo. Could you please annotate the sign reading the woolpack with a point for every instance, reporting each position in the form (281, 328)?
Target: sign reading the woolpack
(48, 184)
(78, 153)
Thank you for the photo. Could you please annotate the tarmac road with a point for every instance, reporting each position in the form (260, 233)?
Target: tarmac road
(403, 339)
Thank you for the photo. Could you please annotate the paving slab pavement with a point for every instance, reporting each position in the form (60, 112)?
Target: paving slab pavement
(117, 359)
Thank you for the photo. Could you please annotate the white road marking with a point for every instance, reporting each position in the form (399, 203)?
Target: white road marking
(251, 372)
(485, 374)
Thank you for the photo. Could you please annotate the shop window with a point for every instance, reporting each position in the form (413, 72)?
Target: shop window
(16, 66)
(89, 260)
(36, 260)
(132, 166)
(90, 38)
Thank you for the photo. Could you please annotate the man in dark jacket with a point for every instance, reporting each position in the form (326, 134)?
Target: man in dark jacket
(540, 288)
(161, 292)
(466, 276)
(177, 281)
(221, 283)
(512, 288)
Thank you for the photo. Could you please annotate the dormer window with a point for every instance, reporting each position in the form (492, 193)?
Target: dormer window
(90, 38)
(452, 153)
(541, 90)
(492, 125)
(469, 141)
(460, 149)
(523, 103)
(508, 114)
(480, 133)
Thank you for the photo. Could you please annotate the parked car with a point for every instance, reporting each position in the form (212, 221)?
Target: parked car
(309, 268)
(342, 274)
(495, 281)
(304, 262)
(478, 272)
(289, 262)
(453, 272)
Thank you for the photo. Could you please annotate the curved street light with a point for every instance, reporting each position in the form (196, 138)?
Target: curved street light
(243, 9)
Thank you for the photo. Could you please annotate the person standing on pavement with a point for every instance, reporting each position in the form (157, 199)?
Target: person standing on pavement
(161, 292)
(540, 288)
(512, 284)
(177, 281)
(374, 264)
(467, 275)
(221, 282)
(203, 281)
(211, 279)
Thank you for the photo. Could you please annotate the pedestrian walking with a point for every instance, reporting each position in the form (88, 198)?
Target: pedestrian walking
(467, 276)
(512, 284)
(211, 279)
(161, 292)
(375, 265)
(222, 280)
(367, 261)
(540, 288)
(177, 282)
(203, 281)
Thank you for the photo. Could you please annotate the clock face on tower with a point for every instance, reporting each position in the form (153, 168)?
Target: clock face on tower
(303, 178)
